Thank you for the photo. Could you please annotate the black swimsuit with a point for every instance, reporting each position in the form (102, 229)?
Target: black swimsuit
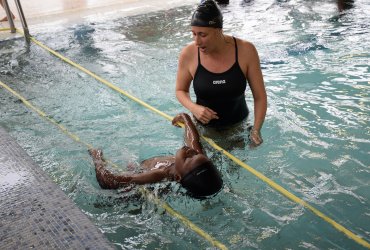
(222, 92)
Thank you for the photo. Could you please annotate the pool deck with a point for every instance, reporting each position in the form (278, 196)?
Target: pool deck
(34, 211)
(41, 13)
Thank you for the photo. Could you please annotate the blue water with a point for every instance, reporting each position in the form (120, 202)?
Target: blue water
(315, 63)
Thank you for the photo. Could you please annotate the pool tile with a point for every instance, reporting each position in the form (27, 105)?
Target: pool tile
(34, 211)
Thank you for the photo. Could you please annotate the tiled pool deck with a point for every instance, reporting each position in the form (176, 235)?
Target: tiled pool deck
(34, 211)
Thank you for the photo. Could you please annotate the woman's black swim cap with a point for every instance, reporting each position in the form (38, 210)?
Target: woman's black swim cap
(203, 180)
(207, 14)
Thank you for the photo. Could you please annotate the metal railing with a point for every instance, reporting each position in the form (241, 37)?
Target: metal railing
(21, 17)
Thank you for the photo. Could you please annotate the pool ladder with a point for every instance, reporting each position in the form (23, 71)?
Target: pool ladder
(21, 17)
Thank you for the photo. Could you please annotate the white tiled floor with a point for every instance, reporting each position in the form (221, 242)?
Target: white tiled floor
(45, 11)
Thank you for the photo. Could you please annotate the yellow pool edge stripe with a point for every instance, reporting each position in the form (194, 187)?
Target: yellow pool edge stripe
(271, 183)
(156, 200)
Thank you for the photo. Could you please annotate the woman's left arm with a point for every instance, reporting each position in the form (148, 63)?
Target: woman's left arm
(255, 80)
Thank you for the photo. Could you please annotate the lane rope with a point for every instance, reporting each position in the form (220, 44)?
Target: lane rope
(358, 55)
(150, 196)
(258, 174)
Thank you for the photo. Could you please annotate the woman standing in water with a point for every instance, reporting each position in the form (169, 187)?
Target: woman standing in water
(219, 66)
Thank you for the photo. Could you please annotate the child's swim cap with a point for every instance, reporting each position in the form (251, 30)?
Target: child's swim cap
(207, 14)
(203, 180)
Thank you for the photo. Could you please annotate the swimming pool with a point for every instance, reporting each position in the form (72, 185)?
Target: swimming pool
(316, 68)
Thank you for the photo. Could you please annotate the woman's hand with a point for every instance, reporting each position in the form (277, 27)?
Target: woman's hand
(204, 114)
(255, 137)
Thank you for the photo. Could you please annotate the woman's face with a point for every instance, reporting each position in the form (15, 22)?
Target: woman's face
(205, 38)
(186, 159)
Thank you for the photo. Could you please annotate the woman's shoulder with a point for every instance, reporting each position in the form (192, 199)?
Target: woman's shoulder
(247, 50)
(245, 44)
(189, 51)
(189, 48)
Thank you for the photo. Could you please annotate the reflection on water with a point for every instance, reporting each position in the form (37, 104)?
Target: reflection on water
(12, 180)
(316, 132)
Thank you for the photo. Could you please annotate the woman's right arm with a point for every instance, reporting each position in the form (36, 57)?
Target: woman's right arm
(183, 81)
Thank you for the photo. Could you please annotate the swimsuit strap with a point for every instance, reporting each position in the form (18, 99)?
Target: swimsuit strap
(236, 50)
(198, 57)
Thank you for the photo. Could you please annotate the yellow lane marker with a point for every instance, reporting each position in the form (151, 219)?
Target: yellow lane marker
(355, 55)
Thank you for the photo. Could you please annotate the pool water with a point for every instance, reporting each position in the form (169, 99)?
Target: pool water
(315, 61)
